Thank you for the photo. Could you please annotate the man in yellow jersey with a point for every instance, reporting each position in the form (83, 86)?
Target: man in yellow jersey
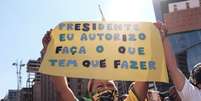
(101, 90)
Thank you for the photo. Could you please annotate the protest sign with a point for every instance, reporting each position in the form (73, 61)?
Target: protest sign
(106, 50)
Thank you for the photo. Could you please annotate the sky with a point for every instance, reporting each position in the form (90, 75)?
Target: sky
(24, 22)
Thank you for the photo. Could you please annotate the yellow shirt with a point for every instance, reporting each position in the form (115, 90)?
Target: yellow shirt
(131, 96)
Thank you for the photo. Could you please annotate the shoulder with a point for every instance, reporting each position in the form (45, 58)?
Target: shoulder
(189, 91)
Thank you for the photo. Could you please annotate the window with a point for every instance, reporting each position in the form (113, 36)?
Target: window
(187, 5)
(200, 2)
(175, 8)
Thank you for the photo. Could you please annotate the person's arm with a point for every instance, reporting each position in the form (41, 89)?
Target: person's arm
(63, 89)
(176, 75)
(60, 83)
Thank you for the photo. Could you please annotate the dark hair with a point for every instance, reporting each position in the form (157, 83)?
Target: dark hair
(196, 74)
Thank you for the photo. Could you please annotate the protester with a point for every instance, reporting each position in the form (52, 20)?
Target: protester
(188, 91)
(107, 90)
(102, 90)
(99, 90)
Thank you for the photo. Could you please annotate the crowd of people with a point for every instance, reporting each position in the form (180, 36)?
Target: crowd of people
(184, 89)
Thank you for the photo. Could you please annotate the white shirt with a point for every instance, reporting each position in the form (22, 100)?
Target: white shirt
(190, 92)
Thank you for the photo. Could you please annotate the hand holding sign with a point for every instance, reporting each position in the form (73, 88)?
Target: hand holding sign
(100, 50)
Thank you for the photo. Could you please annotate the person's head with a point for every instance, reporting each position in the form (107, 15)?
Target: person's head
(195, 77)
(102, 90)
(153, 95)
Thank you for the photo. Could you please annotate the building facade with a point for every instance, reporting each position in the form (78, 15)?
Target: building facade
(12, 96)
(182, 18)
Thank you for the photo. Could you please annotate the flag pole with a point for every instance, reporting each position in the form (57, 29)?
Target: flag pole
(103, 18)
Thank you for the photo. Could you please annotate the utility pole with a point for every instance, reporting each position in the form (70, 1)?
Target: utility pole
(18, 66)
